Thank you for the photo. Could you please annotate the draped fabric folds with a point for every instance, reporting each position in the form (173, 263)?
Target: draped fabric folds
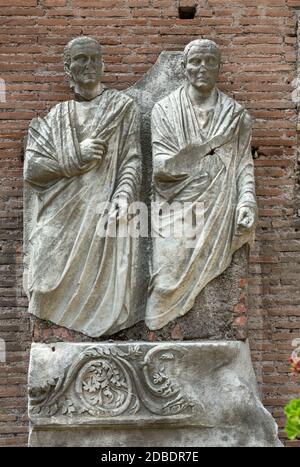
(76, 277)
(209, 167)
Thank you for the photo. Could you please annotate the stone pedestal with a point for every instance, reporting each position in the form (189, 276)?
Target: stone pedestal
(146, 394)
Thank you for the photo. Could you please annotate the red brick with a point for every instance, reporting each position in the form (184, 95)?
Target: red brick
(13, 11)
(19, 3)
(15, 441)
(55, 3)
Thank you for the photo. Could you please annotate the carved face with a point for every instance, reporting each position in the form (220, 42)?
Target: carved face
(86, 64)
(202, 68)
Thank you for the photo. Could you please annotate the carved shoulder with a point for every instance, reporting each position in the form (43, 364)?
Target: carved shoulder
(120, 97)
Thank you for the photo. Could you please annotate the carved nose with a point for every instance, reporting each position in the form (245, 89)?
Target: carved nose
(89, 61)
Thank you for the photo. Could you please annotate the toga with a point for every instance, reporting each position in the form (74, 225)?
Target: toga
(200, 159)
(76, 276)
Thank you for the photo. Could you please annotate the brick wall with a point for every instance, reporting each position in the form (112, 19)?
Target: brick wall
(260, 62)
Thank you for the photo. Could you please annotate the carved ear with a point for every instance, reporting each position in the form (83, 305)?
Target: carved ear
(68, 72)
(182, 66)
(69, 75)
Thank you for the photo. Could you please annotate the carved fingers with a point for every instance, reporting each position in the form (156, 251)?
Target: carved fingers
(99, 148)
(92, 148)
(245, 219)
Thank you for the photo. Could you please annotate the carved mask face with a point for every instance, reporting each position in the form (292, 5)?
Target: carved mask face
(86, 64)
(202, 68)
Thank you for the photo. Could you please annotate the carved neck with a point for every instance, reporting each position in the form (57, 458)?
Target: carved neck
(88, 94)
(203, 100)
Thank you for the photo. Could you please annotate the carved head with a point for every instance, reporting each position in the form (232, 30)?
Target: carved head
(201, 63)
(83, 62)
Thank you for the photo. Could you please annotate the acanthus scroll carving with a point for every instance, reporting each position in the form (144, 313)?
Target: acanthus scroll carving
(108, 382)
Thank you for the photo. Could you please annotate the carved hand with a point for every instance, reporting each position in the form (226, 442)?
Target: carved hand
(245, 219)
(92, 149)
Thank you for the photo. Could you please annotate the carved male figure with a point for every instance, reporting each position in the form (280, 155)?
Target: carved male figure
(202, 157)
(82, 156)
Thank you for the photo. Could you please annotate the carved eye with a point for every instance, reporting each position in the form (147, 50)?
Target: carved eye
(211, 62)
(79, 58)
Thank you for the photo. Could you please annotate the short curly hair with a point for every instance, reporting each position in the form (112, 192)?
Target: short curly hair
(81, 40)
(201, 43)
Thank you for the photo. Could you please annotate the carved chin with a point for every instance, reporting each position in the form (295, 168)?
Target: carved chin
(89, 81)
(202, 84)
(84, 81)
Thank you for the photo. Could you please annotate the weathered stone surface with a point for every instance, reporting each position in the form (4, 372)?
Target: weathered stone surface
(212, 315)
(202, 164)
(82, 168)
(195, 394)
(166, 393)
